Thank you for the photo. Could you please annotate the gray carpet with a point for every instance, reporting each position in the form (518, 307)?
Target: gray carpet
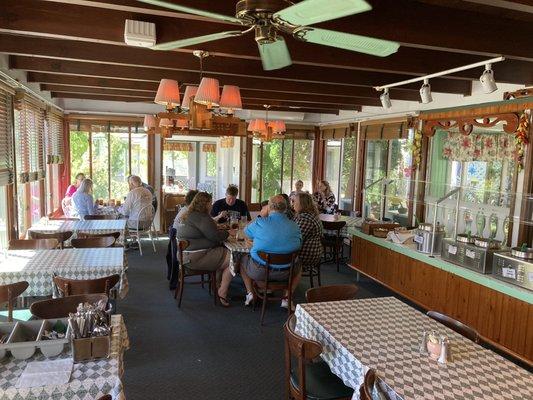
(203, 352)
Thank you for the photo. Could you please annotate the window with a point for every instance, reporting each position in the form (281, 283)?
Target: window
(339, 170)
(179, 165)
(6, 164)
(108, 154)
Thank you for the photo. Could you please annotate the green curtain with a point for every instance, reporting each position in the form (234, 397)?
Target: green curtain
(439, 165)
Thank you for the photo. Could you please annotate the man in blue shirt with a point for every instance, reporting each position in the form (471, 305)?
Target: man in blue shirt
(273, 233)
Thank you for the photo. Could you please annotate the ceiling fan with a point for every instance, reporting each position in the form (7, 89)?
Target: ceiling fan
(267, 18)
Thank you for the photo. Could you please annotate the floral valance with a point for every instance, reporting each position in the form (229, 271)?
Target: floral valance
(178, 146)
(479, 147)
(209, 148)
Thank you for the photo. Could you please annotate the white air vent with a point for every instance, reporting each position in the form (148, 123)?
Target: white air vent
(138, 33)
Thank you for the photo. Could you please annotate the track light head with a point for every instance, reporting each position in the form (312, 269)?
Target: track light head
(385, 99)
(425, 92)
(487, 80)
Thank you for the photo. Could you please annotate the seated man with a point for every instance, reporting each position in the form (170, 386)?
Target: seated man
(134, 206)
(188, 200)
(220, 209)
(272, 233)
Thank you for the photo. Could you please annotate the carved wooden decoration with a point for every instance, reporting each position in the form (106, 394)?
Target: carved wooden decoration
(518, 94)
(466, 125)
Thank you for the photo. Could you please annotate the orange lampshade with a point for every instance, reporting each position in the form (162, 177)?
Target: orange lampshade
(182, 123)
(166, 123)
(149, 122)
(208, 93)
(189, 92)
(257, 125)
(277, 126)
(231, 98)
(168, 93)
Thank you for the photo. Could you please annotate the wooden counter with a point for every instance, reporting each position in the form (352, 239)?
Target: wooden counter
(503, 315)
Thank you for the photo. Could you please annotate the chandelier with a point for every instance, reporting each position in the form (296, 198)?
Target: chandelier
(266, 130)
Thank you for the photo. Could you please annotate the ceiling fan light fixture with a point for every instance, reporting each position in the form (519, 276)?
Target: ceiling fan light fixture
(230, 98)
(168, 94)
(208, 93)
(385, 99)
(425, 92)
(487, 80)
(190, 91)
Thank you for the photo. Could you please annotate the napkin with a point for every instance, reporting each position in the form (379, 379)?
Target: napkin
(400, 236)
(45, 373)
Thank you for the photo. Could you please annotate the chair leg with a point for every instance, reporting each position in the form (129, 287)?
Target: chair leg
(202, 279)
(182, 284)
(213, 284)
(337, 258)
(263, 306)
(311, 272)
(139, 243)
(318, 274)
(152, 239)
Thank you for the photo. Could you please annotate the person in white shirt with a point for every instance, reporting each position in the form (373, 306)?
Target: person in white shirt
(135, 205)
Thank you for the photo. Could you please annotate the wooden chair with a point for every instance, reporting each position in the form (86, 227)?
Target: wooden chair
(61, 237)
(261, 288)
(368, 387)
(105, 241)
(311, 271)
(186, 270)
(333, 244)
(61, 307)
(106, 397)
(34, 244)
(85, 235)
(308, 379)
(456, 325)
(331, 293)
(70, 287)
(10, 292)
(98, 217)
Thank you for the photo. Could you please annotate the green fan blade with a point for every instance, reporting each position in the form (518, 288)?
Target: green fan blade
(274, 55)
(177, 44)
(309, 12)
(190, 10)
(347, 41)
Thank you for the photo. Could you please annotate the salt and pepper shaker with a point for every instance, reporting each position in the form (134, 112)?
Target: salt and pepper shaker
(424, 343)
(444, 350)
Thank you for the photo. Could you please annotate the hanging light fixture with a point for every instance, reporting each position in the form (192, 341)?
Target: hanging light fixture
(257, 125)
(189, 92)
(425, 92)
(385, 99)
(487, 80)
(150, 123)
(182, 124)
(231, 98)
(277, 126)
(166, 123)
(208, 93)
(168, 94)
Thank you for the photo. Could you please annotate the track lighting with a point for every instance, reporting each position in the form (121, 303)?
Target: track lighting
(385, 99)
(425, 92)
(487, 80)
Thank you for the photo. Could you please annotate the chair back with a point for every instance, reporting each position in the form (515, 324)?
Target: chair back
(106, 397)
(182, 245)
(455, 325)
(331, 293)
(69, 287)
(333, 226)
(367, 387)
(105, 241)
(60, 236)
(85, 235)
(61, 307)
(98, 217)
(145, 218)
(34, 244)
(10, 292)
(277, 259)
(303, 351)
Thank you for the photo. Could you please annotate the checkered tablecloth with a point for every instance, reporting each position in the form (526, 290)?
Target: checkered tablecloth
(108, 210)
(38, 267)
(384, 334)
(89, 380)
(91, 226)
(237, 250)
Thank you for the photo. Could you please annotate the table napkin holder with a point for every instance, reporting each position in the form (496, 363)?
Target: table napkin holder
(91, 348)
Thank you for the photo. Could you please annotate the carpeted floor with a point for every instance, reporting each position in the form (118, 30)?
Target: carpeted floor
(203, 352)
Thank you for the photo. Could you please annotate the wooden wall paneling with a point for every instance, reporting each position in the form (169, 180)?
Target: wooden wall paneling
(495, 315)
(518, 341)
(528, 351)
(508, 319)
(473, 315)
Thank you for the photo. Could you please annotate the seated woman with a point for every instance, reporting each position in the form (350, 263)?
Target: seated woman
(298, 188)
(290, 210)
(205, 251)
(324, 198)
(66, 203)
(82, 201)
(311, 229)
(73, 187)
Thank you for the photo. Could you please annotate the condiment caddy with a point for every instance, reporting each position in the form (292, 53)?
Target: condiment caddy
(436, 346)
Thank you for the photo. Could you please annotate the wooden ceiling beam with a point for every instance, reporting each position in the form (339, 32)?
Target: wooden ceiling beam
(70, 50)
(252, 96)
(413, 24)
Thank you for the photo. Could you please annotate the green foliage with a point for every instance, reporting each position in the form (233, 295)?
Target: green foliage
(271, 168)
(211, 164)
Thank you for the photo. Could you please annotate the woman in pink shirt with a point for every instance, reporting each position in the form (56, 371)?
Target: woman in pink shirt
(72, 188)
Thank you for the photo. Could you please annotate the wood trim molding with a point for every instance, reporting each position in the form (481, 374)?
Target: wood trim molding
(467, 124)
(479, 111)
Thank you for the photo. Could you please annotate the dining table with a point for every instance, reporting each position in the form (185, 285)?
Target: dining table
(385, 334)
(97, 226)
(237, 249)
(89, 380)
(38, 267)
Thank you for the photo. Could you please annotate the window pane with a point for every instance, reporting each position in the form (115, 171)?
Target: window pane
(179, 167)
(79, 154)
(347, 175)
(256, 166)
(333, 155)
(3, 219)
(119, 162)
(271, 168)
(399, 167)
(303, 163)
(207, 176)
(375, 168)
(100, 163)
(35, 201)
(139, 155)
(287, 166)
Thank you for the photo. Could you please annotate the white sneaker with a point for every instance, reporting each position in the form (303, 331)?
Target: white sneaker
(284, 303)
(249, 298)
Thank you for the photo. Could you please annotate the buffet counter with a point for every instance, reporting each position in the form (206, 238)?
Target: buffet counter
(499, 311)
